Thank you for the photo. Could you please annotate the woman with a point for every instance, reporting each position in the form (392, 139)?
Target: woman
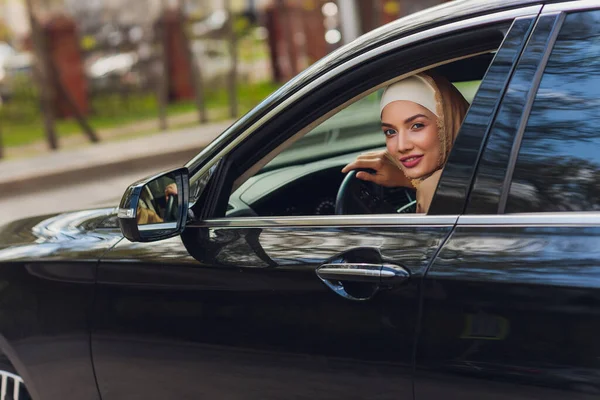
(420, 118)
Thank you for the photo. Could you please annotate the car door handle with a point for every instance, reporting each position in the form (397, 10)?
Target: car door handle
(361, 281)
(364, 272)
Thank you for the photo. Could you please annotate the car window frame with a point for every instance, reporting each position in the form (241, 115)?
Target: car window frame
(461, 169)
(488, 197)
(325, 116)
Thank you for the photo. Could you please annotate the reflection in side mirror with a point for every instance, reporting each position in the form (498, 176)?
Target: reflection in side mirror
(156, 207)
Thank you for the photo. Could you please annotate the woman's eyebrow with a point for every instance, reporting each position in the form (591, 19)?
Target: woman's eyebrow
(411, 119)
(385, 124)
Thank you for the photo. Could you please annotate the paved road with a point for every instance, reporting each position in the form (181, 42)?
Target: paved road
(98, 193)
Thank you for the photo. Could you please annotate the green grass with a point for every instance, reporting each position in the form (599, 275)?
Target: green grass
(251, 49)
(21, 122)
(248, 95)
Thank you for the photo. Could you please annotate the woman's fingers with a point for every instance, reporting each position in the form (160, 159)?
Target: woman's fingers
(375, 163)
(371, 154)
(374, 156)
(371, 164)
(365, 176)
(387, 172)
(170, 190)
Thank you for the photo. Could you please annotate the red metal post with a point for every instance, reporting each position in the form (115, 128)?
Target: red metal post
(65, 55)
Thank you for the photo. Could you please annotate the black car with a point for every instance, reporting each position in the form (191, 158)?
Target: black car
(260, 271)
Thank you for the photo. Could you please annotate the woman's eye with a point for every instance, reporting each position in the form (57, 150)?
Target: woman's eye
(389, 132)
(417, 126)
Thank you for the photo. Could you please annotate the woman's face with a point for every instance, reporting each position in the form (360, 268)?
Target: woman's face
(411, 136)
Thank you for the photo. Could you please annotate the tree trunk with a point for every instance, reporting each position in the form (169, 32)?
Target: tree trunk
(163, 81)
(376, 14)
(81, 120)
(41, 76)
(195, 69)
(233, 53)
(1, 141)
(286, 22)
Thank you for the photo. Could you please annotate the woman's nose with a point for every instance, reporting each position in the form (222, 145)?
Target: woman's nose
(404, 143)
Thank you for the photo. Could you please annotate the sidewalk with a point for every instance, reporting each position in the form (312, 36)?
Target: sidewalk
(105, 159)
(124, 131)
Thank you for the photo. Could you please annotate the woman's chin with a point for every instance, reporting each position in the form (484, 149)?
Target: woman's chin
(413, 175)
(417, 173)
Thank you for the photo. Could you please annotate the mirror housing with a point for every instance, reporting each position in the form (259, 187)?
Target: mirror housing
(156, 207)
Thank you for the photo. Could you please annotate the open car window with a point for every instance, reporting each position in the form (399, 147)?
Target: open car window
(303, 178)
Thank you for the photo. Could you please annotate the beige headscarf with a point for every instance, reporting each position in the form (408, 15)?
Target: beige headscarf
(430, 90)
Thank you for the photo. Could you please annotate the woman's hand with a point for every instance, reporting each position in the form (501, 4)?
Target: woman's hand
(386, 172)
(170, 190)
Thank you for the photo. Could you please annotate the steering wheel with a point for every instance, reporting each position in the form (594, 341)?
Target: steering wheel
(356, 196)
(171, 208)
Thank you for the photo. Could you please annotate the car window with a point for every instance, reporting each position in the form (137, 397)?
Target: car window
(558, 165)
(292, 164)
(304, 178)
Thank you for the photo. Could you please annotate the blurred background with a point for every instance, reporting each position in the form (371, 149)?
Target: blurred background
(74, 72)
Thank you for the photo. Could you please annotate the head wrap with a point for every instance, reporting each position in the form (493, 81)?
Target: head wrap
(414, 88)
(440, 97)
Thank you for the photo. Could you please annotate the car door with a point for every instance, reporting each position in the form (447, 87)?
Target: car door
(284, 307)
(510, 305)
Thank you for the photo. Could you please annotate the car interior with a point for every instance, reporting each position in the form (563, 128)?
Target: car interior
(304, 176)
(153, 198)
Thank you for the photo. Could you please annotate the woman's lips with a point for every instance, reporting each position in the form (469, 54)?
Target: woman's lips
(411, 162)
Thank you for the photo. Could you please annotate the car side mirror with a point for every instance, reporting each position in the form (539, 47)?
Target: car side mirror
(156, 207)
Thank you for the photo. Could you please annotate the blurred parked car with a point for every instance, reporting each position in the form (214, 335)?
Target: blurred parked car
(17, 69)
(5, 52)
(111, 71)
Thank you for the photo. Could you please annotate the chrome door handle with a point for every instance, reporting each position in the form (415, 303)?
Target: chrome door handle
(363, 272)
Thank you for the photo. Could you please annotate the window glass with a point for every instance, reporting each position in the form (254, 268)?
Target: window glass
(356, 127)
(558, 166)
